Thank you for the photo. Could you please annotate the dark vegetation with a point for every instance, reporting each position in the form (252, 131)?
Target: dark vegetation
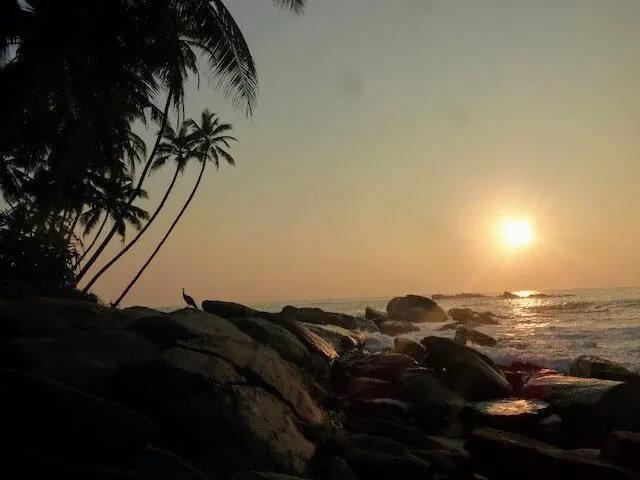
(77, 79)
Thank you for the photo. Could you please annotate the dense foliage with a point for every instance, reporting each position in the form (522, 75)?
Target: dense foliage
(75, 76)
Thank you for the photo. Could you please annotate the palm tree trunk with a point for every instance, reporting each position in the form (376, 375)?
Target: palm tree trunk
(73, 226)
(95, 239)
(154, 253)
(108, 238)
(137, 237)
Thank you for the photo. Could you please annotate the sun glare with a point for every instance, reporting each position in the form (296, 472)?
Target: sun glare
(517, 233)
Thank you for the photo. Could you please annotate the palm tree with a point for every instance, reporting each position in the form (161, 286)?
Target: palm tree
(113, 199)
(177, 147)
(211, 144)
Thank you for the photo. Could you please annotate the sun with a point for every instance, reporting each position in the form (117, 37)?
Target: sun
(517, 233)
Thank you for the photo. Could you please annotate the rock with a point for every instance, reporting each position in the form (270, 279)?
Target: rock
(394, 327)
(140, 312)
(596, 367)
(39, 317)
(509, 295)
(40, 413)
(590, 408)
(457, 296)
(388, 428)
(378, 458)
(502, 455)
(465, 371)
(375, 315)
(449, 326)
(384, 366)
(510, 414)
(464, 334)
(264, 476)
(416, 309)
(387, 408)
(224, 402)
(155, 464)
(435, 406)
(86, 361)
(284, 342)
(366, 325)
(623, 448)
(230, 309)
(339, 338)
(334, 468)
(466, 316)
(366, 387)
(318, 316)
(410, 348)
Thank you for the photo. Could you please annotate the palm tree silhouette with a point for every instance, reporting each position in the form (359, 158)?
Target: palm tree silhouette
(209, 143)
(177, 147)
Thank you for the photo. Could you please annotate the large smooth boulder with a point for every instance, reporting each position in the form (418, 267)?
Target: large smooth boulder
(140, 311)
(396, 327)
(390, 367)
(466, 316)
(410, 348)
(591, 408)
(416, 309)
(375, 315)
(465, 334)
(223, 401)
(501, 455)
(38, 412)
(50, 317)
(465, 371)
(623, 448)
(229, 309)
(341, 339)
(510, 414)
(588, 366)
(318, 316)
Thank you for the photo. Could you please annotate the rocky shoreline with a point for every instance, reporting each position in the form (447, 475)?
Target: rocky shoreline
(234, 393)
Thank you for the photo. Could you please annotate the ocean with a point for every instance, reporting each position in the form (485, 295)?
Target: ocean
(551, 331)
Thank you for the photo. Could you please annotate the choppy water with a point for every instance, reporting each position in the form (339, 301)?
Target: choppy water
(551, 331)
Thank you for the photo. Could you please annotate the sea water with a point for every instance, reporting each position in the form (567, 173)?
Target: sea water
(551, 331)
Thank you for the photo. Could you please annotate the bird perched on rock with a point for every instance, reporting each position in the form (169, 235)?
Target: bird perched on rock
(189, 300)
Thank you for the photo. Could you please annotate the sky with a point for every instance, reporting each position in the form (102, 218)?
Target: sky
(390, 142)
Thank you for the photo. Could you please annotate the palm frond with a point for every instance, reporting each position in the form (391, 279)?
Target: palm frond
(294, 6)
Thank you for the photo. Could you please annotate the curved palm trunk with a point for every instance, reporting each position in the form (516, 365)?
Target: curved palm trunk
(72, 227)
(108, 238)
(137, 237)
(95, 239)
(164, 239)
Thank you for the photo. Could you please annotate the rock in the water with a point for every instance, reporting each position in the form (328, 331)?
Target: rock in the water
(387, 408)
(394, 327)
(590, 408)
(376, 315)
(366, 325)
(623, 448)
(41, 413)
(366, 387)
(465, 371)
(385, 366)
(409, 348)
(466, 316)
(465, 334)
(595, 367)
(340, 339)
(319, 317)
(416, 309)
(501, 455)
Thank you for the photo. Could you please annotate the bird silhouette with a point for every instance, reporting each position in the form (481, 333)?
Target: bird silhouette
(189, 300)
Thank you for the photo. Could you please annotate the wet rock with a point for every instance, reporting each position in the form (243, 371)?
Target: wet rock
(502, 455)
(596, 367)
(392, 429)
(39, 317)
(410, 348)
(465, 334)
(156, 464)
(449, 326)
(86, 361)
(334, 468)
(387, 408)
(416, 309)
(40, 413)
(511, 414)
(376, 315)
(394, 327)
(378, 458)
(466, 316)
(623, 448)
(465, 371)
(339, 338)
(384, 366)
(590, 408)
(254, 475)
(435, 406)
(366, 325)
(318, 316)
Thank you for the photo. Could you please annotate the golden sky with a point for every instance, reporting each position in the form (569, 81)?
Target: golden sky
(392, 138)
